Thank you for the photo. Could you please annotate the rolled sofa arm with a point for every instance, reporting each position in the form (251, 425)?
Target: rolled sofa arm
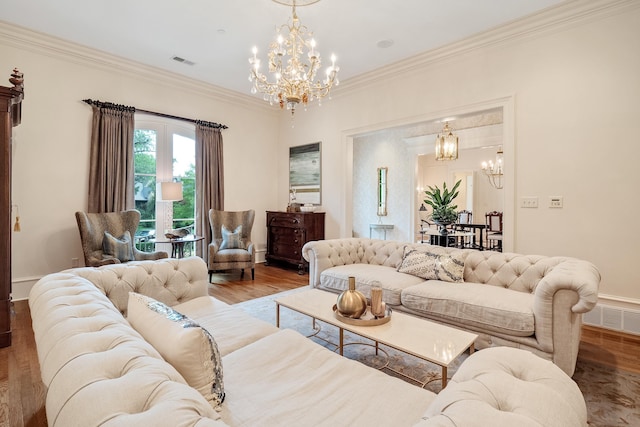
(575, 275)
(560, 298)
(88, 352)
(323, 254)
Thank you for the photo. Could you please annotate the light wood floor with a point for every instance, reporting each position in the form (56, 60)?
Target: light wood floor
(22, 393)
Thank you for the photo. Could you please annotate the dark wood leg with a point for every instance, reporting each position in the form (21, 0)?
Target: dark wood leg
(242, 272)
(253, 274)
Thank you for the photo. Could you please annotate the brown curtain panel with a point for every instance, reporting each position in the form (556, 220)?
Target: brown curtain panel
(111, 186)
(209, 180)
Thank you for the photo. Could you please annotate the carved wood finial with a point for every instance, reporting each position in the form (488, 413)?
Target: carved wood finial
(17, 79)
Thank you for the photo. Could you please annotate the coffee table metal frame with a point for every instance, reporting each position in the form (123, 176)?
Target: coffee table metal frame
(426, 340)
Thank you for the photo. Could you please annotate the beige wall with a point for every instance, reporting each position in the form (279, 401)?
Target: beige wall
(575, 88)
(51, 150)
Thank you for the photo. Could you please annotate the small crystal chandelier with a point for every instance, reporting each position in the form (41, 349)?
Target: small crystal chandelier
(446, 144)
(494, 170)
(295, 77)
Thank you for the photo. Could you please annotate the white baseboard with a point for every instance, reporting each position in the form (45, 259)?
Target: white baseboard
(21, 287)
(260, 254)
(616, 314)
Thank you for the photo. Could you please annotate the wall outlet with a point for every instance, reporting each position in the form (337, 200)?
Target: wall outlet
(75, 262)
(555, 201)
(528, 202)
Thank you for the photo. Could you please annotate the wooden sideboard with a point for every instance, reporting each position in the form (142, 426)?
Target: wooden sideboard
(287, 232)
(10, 116)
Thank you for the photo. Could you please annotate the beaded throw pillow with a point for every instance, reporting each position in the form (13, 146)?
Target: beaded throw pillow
(231, 240)
(121, 248)
(183, 343)
(431, 265)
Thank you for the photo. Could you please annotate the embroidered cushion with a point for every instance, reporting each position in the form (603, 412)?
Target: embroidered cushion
(231, 240)
(431, 265)
(182, 342)
(121, 248)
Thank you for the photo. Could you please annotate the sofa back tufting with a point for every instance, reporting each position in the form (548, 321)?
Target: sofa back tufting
(171, 281)
(508, 270)
(516, 272)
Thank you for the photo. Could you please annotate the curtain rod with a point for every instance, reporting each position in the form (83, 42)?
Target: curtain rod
(154, 113)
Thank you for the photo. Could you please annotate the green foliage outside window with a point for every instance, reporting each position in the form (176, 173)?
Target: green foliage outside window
(144, 149)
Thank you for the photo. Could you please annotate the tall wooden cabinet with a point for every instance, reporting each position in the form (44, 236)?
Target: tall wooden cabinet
(10, 116)
(287, 232)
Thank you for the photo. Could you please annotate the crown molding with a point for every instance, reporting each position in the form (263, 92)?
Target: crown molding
(44, 44)
(553, 19)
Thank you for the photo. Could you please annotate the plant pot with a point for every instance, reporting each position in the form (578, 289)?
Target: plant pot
(442, 226)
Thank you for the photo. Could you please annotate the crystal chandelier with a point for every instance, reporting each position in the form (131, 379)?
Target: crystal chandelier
(494, 170)
(446, 144)
(294, 73)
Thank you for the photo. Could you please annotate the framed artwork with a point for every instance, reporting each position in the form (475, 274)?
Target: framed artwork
(305, 173)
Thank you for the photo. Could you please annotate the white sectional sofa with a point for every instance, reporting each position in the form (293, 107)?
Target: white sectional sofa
(98, 370)
(526, 301)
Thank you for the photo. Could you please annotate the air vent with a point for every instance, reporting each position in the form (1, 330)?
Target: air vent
(182, 60)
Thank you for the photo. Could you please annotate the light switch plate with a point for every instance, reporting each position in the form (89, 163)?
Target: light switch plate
(529, 202)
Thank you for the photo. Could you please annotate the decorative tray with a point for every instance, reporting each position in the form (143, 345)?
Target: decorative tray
(367, 319)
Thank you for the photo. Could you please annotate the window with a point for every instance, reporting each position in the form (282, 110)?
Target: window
(163, 151)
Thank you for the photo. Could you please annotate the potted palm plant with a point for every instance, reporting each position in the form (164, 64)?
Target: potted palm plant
(444, 211)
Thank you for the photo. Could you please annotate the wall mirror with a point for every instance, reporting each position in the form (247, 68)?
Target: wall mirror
(382, 191)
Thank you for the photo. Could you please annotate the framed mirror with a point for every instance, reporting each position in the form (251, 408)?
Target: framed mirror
(382, 191)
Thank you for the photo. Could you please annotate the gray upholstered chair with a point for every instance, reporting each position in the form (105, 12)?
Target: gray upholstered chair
(115, 232)
(231, 246)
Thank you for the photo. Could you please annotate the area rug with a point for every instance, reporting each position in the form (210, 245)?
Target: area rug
(612, 396)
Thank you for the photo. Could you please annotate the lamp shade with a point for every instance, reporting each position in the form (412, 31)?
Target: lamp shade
(169, 191)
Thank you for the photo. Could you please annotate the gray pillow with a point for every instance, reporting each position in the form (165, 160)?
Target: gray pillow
(231, 240)
(433, 264)
(121, 248)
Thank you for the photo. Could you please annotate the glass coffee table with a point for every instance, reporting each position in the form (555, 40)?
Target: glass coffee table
(430, 341)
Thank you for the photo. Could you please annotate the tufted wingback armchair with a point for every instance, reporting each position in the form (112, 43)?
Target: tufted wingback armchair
(224, 258)
(92, 227)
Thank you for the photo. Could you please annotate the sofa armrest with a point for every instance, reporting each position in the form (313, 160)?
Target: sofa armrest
(323, 254)
(560, 298)
(574, 275)
(89, 353)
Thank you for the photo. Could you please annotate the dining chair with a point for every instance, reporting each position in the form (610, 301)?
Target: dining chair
(464, 217)
(494, 230)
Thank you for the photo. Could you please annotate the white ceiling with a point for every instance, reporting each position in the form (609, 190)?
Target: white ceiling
(217, 35)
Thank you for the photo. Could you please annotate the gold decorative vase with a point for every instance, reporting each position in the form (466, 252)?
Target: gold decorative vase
(352, 303)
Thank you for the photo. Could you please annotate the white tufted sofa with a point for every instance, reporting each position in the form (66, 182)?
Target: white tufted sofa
(526, 301)
(99, 371)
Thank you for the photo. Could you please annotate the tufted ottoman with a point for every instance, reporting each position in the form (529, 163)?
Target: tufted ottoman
(506, 387)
